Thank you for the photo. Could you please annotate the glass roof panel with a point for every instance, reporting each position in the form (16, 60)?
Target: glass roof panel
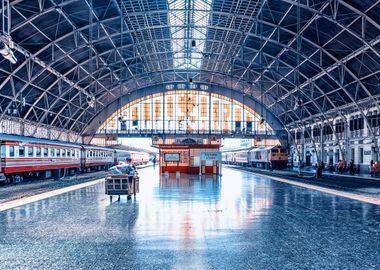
(188, 21)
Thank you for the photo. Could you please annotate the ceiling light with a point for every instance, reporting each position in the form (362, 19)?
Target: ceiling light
(7, 53)
(91, 101)
(298, 104)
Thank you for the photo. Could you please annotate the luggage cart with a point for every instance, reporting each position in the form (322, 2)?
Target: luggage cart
(118, 184)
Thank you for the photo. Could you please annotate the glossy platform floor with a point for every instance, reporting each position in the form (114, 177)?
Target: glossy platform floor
(239, 222)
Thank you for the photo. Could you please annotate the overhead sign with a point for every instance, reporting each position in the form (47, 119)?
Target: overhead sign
(172, 157)
(210, 156)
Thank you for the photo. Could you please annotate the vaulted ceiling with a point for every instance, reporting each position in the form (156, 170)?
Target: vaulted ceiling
(75, 57)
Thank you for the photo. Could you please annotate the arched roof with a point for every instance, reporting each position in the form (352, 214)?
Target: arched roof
(69, 51)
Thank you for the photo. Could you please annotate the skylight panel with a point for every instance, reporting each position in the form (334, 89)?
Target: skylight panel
(188, 21)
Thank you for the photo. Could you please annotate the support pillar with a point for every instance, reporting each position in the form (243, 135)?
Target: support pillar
(321, 145)
(347, 140)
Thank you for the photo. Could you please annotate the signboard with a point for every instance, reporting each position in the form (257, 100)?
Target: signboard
(210, 156)
(172, 157)
(367, 153)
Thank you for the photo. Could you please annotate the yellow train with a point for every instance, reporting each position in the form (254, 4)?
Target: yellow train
(273, 157)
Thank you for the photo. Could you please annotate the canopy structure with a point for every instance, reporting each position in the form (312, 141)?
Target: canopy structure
(303, 60)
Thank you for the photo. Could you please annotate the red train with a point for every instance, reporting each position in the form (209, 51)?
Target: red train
(26, 157)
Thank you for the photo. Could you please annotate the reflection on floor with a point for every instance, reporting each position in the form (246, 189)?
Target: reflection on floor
(239, 221)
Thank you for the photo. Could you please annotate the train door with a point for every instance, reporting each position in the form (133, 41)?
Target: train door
(83, 159)
(2, 158)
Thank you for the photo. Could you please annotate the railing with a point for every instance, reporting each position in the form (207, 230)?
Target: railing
(186, 132)
(356, 133)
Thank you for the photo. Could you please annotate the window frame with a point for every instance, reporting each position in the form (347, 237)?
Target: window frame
(38, 152)
(19, 151)
(12, 151)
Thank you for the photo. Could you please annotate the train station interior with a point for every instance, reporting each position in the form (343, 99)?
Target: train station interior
(190, 134)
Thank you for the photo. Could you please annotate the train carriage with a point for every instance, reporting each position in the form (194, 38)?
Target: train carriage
(121, 156)
(139, 158)
(27, 157)
(272, 157)
(23, 157)
(97, 158)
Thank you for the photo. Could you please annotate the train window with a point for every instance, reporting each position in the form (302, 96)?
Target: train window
(30, 151)
(11, 151)
(58, 152)
(68, 152)
(282, 150)
(274, 151)
(38, 152)
(52, 152)
(46, 152)
(21, 151)
(63, 152)
(73, 153)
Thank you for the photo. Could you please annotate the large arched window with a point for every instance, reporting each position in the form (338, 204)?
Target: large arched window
(185, 111)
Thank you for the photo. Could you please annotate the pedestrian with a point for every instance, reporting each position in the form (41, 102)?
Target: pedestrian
(351, 167)
(131, 174)
(154, 160)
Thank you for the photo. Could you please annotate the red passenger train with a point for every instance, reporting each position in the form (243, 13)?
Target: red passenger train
(27, 157)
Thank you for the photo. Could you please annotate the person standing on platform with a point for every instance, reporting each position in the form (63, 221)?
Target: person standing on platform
(131, 174)
(340, 166)
(154, 160)
(351, 167)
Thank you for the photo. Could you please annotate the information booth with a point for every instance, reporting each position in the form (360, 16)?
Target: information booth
(192, 156)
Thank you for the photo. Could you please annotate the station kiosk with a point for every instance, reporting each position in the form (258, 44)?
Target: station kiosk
(189, 155)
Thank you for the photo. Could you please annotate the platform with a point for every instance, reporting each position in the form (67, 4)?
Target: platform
(239, 221)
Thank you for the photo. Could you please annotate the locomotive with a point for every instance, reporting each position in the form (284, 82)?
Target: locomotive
(273, 157)
(27, 157)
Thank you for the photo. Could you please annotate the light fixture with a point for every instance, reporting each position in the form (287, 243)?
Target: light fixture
(13, 111)
(298, 104)
(262, 120)
(7, 53)
(91, 101)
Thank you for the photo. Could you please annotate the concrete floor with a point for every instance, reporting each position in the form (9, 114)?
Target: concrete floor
(241, 221)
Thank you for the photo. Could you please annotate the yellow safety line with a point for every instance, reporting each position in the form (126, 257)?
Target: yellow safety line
(18, 202)
(344, 194)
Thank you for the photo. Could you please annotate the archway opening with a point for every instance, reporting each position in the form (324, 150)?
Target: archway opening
(186, 112)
